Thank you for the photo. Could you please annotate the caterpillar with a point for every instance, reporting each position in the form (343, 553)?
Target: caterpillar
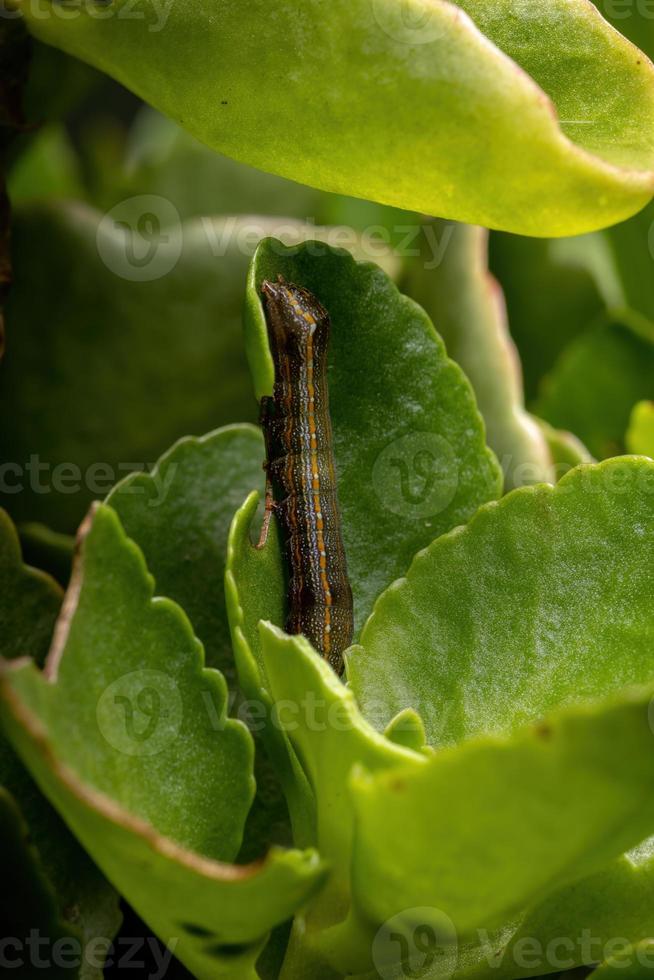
(300, 471)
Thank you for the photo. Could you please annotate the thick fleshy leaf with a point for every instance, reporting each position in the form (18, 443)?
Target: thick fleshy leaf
(516, 818)
(640, 434)
(521, 611)
(180, 516)
(576, 926)
(467, 308)
(254, 590)
(576, 162)
(330, 736)
(595, 384)
(409, 447)
(594, 534)
(137, 727)
(58, 875)
(149, 773)
(119, 342)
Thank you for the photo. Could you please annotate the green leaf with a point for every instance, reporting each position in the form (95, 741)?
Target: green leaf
(151, 776)
(466, 305)
(577, 925)
(85, 905)
(330, 736)
(582, 311)
(640, 434)
(547, 286)
(595, 384)
(407, 728)
(515, 818)
(409, 446)
(254, 590)
(443, 138)
(138, 726)
(521, 611)
(180, 516)
(255, 584)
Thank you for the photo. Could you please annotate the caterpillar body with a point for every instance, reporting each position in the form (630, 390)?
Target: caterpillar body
(300, 471)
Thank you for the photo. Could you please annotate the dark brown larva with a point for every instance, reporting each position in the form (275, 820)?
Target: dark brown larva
(300, 470)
